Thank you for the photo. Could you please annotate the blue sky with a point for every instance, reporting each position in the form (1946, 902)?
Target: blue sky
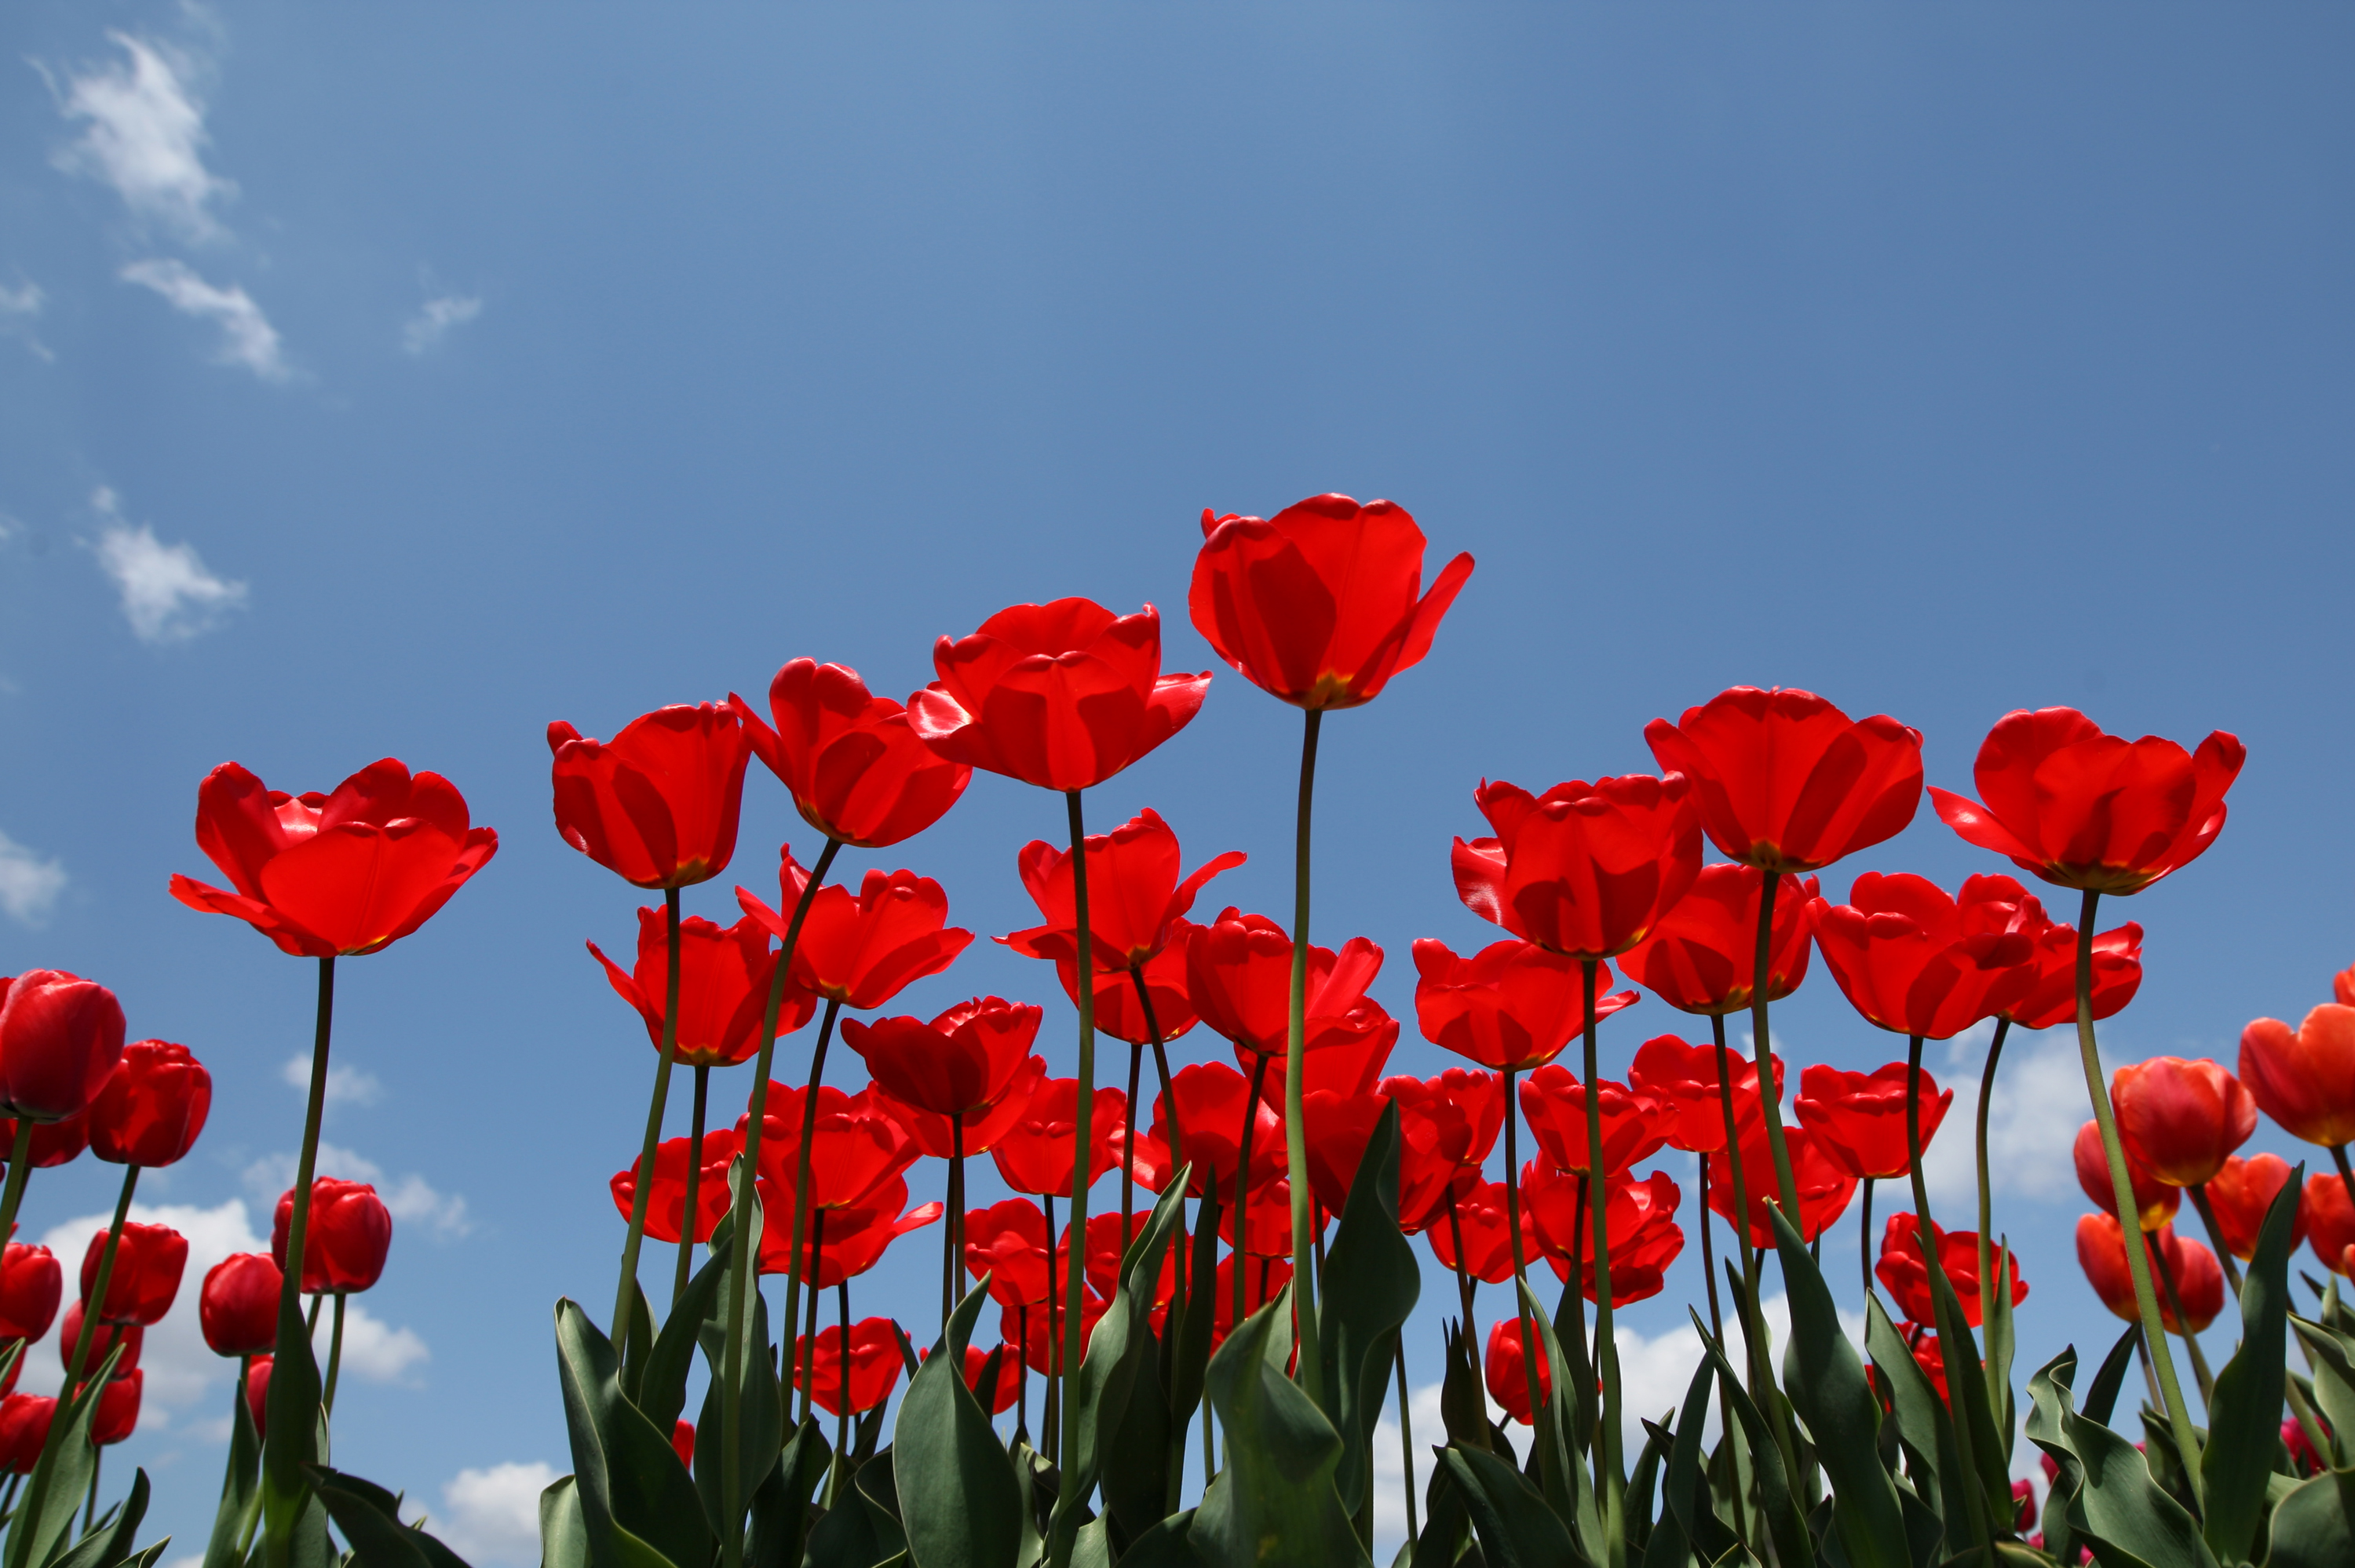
(377, 383)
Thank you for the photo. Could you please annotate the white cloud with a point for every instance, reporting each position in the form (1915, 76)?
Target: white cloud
(372, 1348)
(19, 308)
(411, 1201)
(246, 336)
(2032, 1121)
(427, 327)
(414, 1200)
(29, 885)
(345, 1085)
(169, 595)
(493, 1515)
(146, 135)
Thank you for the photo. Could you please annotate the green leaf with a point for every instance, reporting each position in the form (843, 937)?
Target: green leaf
(1640, 1488)
(2000, 1346)
(1923, 1423)
(563, 1537)
(2244, 1412)
(635, 1343)
(1516, 1526)
(62, 1476)
(1784, 1525)
(1569, 1489)
(761, 1416)
(111, 1542)
(638, 1504)
(662, 1393)
(369, 1518)
(2333, 1354)
(1829, 1389)
(1445, 1524)
(1167, 1544)
(1983, 1450)
(1369, 1283)
(2314, 1526)
(1191, 1353)
(1135, 1468)
(862, 1528)
(968, 1512)
(780, 1502)
(1688, 1478)
(2115, 1505)
(291, 1422)
(241, 1498)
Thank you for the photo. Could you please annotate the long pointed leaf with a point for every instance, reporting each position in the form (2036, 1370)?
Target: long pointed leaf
(1784, 1525)
(968, 1512)
(2245, 1413)
(1516, 1527)
(1829, 1389)
(637, 1500)
(1371, 1282)
(1687, 1480)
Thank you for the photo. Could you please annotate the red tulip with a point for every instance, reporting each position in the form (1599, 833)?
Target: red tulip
(1859, 1119)
(1916, 961)
(682, 1442)
(1044, 1346)
(658, 804)
(2052, 998)
(1338, 1070)
(1006, 1242)
(858, 1145)
(2181, 1120)
(2329, 1217)
(2305, 1080)
(153, 1107)
(345, 1240)
(257, 1393)
(1682, 1083)
(1904, 1269)
(2304, 1461)
(1238, 974)
(1447, 1125)
(850, 1241)
(1784, 781)
(30, 1286)
(1104, 1253)
(1063, 695)
(1702, 957)
(1508, 1379)
(1318, 605)
(723, 987)
(1480, 1214)
(961, 1064)
(1555, 1105)
(24, 1431)
(2199, 1282)
(1267, 1220)
(862, 952)
(327, 874)
(667, 1205)
(2240, 1193)
(147, 1266)
(60, 1036)
(1212, 1100)
(1640, 1215)
(238, 1307)
(53, 1142)
(2155, 1201)
(874, 1365)
(1006, 1388)
(2023, 1499)
(1930, 1358)
(1585, 870)
(1118, 1012)
(856, 769)
(118, 1409)
(1512, 1005)
(2084, 810)
(102, 1340)
(1824, 1186)
(1035, 1155)
(1265, 1279)
(1337, 1127)
(1134, 895)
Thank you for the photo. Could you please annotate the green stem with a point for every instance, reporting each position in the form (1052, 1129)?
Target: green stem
(2338, 1153)
(953, 1229)
(1937, 1263)
(1753, 1334)
(1717, 1322)
(809, 1328)
(1610, 1481)
(290, 1443)
(1864, 1240)
(1127, 1151)
(842, 1315)
(690, 1221)
(803, 1214)
(89, 1502)
(335, 1356)
(1530, 1350)
(1406, 1440)
(1986, 1190)
(1242, 1186)
(625, 1293)
(1785, 1181)
(20, 1169)
(2097, 1089)
(95, 1307)
(1068, 1451)
(1295, 1121)
(1051, 1404)
(1463, 1274)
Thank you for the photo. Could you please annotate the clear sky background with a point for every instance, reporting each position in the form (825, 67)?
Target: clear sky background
(398, 382)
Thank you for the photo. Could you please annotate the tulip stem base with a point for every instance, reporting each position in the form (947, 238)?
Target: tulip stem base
(1065, 1534)
(1295, 1121)
(623, 1296)
(690, 1218)
(1761, 1050)
(334, 1358)
(20, 1168)
(1987, 1189)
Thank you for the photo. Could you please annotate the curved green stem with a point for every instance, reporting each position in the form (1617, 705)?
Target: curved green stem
(20, 1169)
(1296, 1128)
(292, 1438)
(1981, 1533)
(1610, 1479)
(2346, 1175)
(803, 1214)
(334, 1357)
(624, 1294)
(1769, 1099)
(1068, 1453)
(1986, 1190)
(1864, 1239)
(689, 1222)
(2201, 1371)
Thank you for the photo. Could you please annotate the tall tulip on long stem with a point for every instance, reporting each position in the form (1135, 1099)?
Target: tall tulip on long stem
(1083, 1117)
(625, 1292)
(1295, 1120)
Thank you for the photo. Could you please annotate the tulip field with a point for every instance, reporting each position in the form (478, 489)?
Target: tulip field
(1179, 1339)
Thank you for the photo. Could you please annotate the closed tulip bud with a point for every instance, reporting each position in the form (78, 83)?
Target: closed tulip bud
(60, 1035)
(1509, 1383)
(148, 1262)
(24, 1431)
(2155, 1201)
(682, 1442)
(2242, 1193)
(658, 804)
(118, 1409)
(343, 1248)
(2329, 1216)
(102, 1340)
(2305, 1079)
(238, 1307)
(856, 769)
(30, 1286)
(2181, 1120)
(2199, 1282)
(875, 1366)
(257, 1394)
(153, 1107)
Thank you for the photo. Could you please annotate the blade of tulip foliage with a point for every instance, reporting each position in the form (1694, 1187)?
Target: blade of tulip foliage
(1191, 1353)
(638, 1343)
(1517, 1527)
(369, 1518)
(968, 1512)
(1785, 1523)
(1372, 1281)
(1827, 1387)
(1136, 1452)
(662, 1392)
(241, 1486)
(2244, 1413)
(862, 1528)
(2000, 1346)
(1447, 1525)
(563, 1534)
(2115, 1505)
(1641, 1486)
(2333, 1355)
(110, 1545)
(638, 1504)
(45, 1514)
(1567, 1417)
(1688, 1487)
(1982, 1453)
(2101, 1399)
(781, 1503)
(762, 1416)
(1924, 1424)
(2314, 1526)
(291, 1428)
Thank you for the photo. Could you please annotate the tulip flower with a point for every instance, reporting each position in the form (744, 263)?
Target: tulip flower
(350, 1232)
(1682, 1081)
(857, 1144)
(1266, 1221)
(666, 1208)
(849, 1241)
(1238, 971)
(723, 984)
(104, 1337)
(1905, 1270)
(682, 1442)
(60, 1036)
(1702, 955)
(2155, 1201)
(147, 1274)
(1447, 1125)
(53, 1142)
(238, 1307)
(2052, 999)
(30, 1286)
(1555, 1103)
(1509, 1372)
(1339, 1128)
(858, 771)
(1120, 1011)
(2241, 1192)
(1213, 1102)
(1916, 961)
(1257, 1280)
(2329, 1217)
(347, 872)
(1005, 1385)
(1040, 1333)
(862, 952)
(1645, 1236)
(1318, 606)
(2179, 1119)
(153, 1106)
(1859, 1119)
(1006, 1242)
(2199, 1283)
(117, 1416)
(870, 1347)
(1513, 1005)
(2305, 1079)
(1929, 1357)
(257, 1393)
(657, 805)
(1585, 870)
(1480, 1218)
(24, 1431)
(1106, 1247)
(1825, 1188)
(1035, 1154)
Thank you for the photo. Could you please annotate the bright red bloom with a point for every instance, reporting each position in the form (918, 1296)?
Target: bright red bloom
(723, 987)
(979, 1129)
(1104, 1254)
(153, 1107)
(1929, 1357)
(2052, 998)
(1641, 1216)
(1586, 869)
(1917, 962)
(147, 1266)
(1511, 1005)
(961, 1064)
(2241, 1192)
(1212, 1099)
(2181, 1120)
(60, 1036)
(1683, 1085)
(1784, 781)
(346, 1238)
(30, 1286)
(2329, 1217)
(2084, 810)
(1008, 1241)
(53, 1142)
(257, 1393)
(1119, 1014)
(858, 1145)
(875, 1365)
(2305, 1080)
(1264, 1279)
(1238, 974)
(1859, 1119)
(1318, 604)
(118, 1409)
(1480, 1214)
(1703, 954)
(1135, 895)
(682, 1442)
(1555, 1106)
(1035, 1154)
(851, 1240)
(342, 873)
(1904, 1269)
(1267, 1218)
(24, 1430)
(1447, 1125)
(856, 767)
(1338, 1128)
(999, 1397)
(1824, 1186)
(238, 1307)
(1063, 695)
(658, 804)
(667, 1205)
(1508, 1379)
(2154, 1200)
(2199, 1282)
(102, 1340)
(861, 951)
(1045, 1345)
(1338, 1070)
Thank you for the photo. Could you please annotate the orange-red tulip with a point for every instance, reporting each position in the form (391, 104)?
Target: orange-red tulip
(1035, 1155)
(1824, 1186)
(2181, 1120)
(238, 1307)
(344, 1244)
(2305, 1079)
(2329, 1217)
(1554, 1103)
(667, 1205)
(1239, 975)
(1639, 1213)
(148, 1262)
(1447, 1125)
(2240, 1193)
(1904, 1269)
(1682, 1083)
(2199, 1281)
(875, 1364)
(2155, 1201)
(30, 1286)
(153, 1107)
